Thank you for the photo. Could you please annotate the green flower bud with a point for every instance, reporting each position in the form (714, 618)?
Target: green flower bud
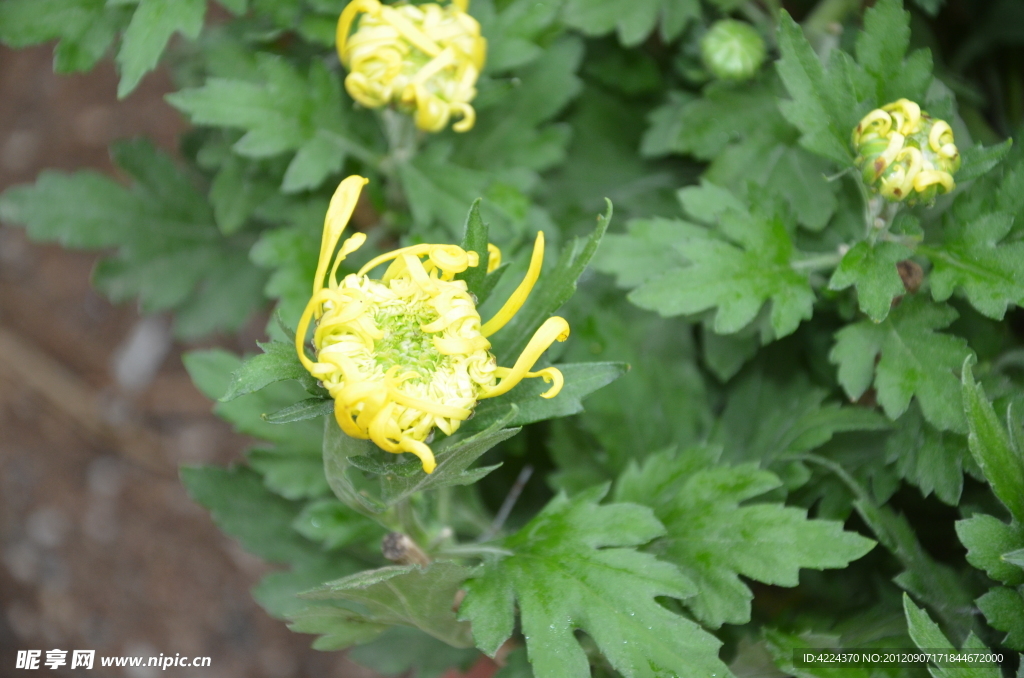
(904, 154)
(732, 50)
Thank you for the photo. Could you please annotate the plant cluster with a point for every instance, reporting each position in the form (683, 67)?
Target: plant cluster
(797, 345)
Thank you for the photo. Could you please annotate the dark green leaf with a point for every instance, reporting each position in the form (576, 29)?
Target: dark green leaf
(551, 292)
(85, 28)
(370, 480)
(405, 651)
(475, 239)
(994, 450)
(989, 543)
(872, 269)
(310, 408)
(927, 635)
(913, 360)
(152, 26)
(293, 474)
(278, 362)
(979, 160)
(736, 276)
(1004, 609)
(766, 417)
(714, 540)
(633, 20)
(934, 583)
(581, 379)
(821, 107)
(333, 524)
(286, 111)
(407, 595)
(972, 258)
(929, 458)
(245, 509)
(573, 568)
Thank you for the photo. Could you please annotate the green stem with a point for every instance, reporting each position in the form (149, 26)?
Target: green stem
(821, 22)
(822, 261)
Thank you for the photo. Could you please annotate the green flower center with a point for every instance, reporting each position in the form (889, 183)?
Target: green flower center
(404, 343)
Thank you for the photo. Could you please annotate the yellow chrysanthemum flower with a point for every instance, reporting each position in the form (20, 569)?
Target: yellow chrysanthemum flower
(423, 58)
(408, 352)
(905, 154)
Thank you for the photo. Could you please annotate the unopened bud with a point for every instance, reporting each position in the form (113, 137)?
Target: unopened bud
(904, 154)
(732, 50)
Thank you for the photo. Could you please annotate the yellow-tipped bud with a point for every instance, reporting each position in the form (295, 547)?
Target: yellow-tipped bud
(424, 59)
(904, 154)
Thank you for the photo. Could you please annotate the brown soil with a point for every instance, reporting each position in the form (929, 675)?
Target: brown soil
(100, 547)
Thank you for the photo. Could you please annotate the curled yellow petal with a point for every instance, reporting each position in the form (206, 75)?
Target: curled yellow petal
(468, 114)
(461, 345)
(518, 298)
(421, 450)
(348, 16)
(926, 178)
(877, 123)
(493, 257)
(939, 134)
(343, 203)
(553, 329)
(394, 254)
(451, 258)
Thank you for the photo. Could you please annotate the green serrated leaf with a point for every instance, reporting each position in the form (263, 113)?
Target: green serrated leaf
(337, 627)
(211, 372)
(736, 276)
(82, 210)
(245, 509)
(822, 108)
(714, 540)
(1015, 558)
(927, 635)
(633, 20)
(871, 268)
(151, 27)
(475, 239)
(931, 459)
(310, 408)
(334, 525)
(989, 543)
(645, 251)
(278, 362)
(293, 474)
(980, 160)
(573, 567)
(86, 28)
(973, 258)
(438, 190)
(1004, 609)
(408, 595)
(581, 379)
(913, 360)
(995, 452)
(285, 111)
(370, 480)
(169, 252)
(880, 50)
(934, 583)
(277, 592)
(404, 651)
(551, 292)
(766, 417)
